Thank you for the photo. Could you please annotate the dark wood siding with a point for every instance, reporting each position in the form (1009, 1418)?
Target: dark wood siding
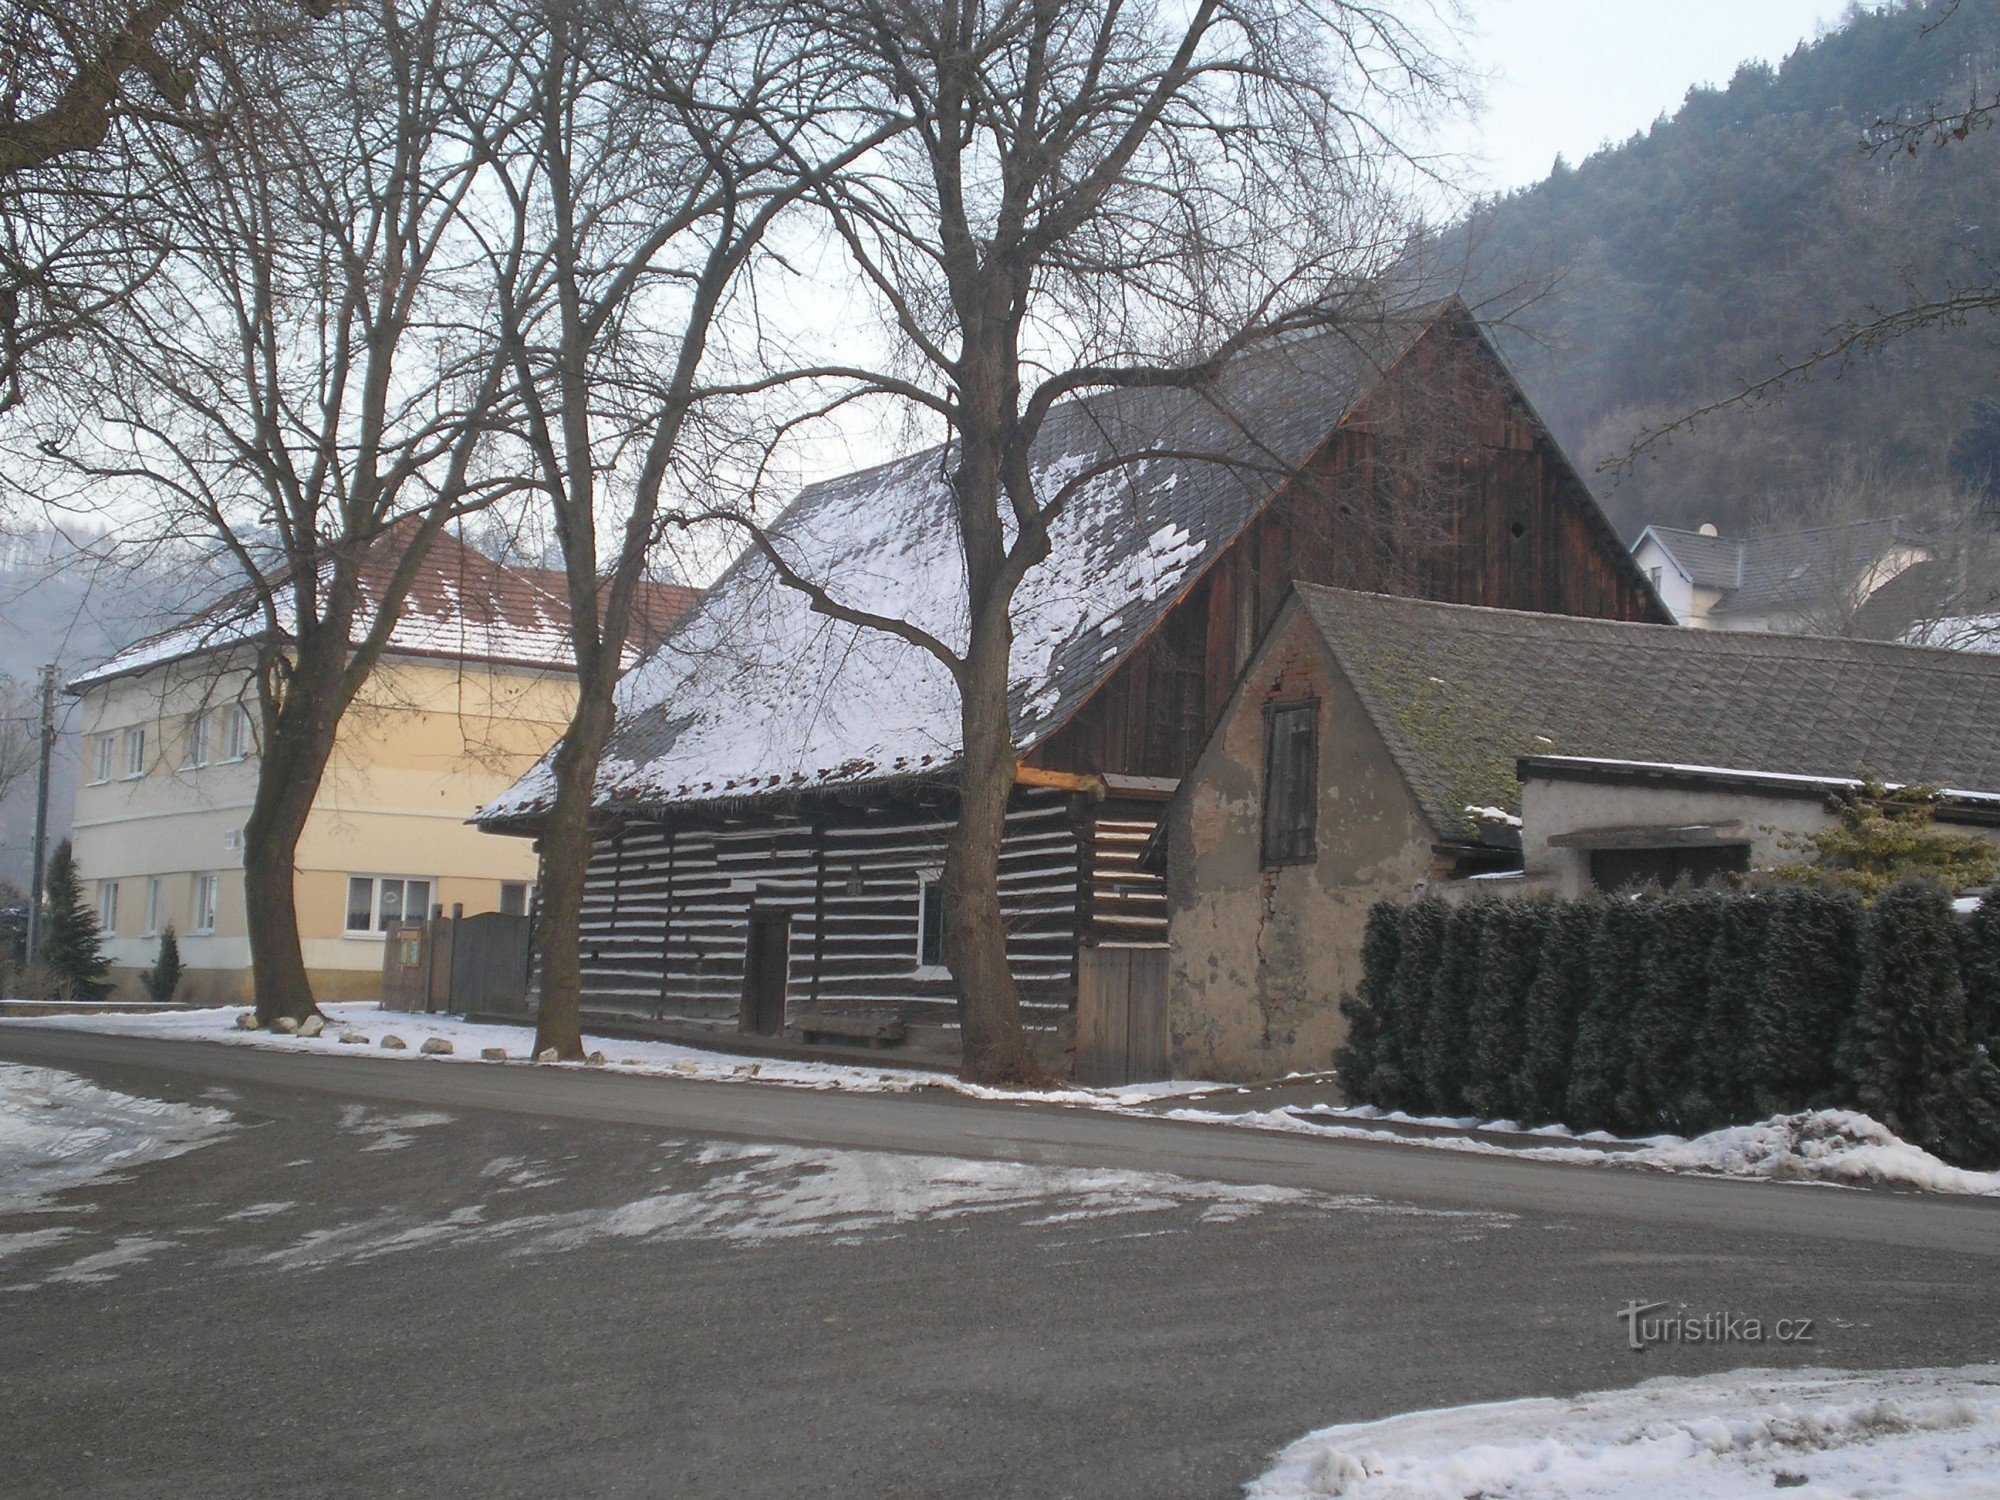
(667, 910)
(1440, 485)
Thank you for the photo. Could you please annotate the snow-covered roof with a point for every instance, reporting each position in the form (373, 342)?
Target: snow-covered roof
(462, 605)
(754, 694)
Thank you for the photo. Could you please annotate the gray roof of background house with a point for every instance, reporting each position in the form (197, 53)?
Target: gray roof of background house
(1786, 569)
(755, 695)
(1459, 693)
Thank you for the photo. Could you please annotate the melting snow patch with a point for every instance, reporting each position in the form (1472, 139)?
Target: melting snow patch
(58, 1131)
(387, 1132)
(1890, 1435)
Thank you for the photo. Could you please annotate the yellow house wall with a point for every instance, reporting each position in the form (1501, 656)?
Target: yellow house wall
(426, 745)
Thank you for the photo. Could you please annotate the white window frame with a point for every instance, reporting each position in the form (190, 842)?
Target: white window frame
(107, 908)
(236, 737)
(135, 753)
(375, 931)
(153, 894)
(207, 897)
(929, 888)
(107, 757)
(527, 889)
(198, 737)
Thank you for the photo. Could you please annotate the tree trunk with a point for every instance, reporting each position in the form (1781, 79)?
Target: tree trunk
(566, 841)
(291, 766)
(993, 1046)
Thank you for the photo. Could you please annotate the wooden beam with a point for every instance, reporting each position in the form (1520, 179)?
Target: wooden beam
(1061, 781)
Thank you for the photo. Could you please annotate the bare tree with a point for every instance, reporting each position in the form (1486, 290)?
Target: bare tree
(301, 386)
(1079, 196)
(653, 146)
(20, 743)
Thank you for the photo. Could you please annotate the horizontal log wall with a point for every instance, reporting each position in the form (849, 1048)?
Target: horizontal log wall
(1128, 905)
(667, 910)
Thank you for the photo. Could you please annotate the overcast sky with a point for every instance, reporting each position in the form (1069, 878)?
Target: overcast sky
(1568, 75)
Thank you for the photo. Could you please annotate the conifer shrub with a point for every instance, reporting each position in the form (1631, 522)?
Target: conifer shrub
(70, 943)
(1556, 998)
(1906, 1058)
(1445, 1063)
(1979, 971)
(1811, 970)
(1719, 1088)
(1399, 1074)
(1372, 1042)
(1496, 1021)
(1603, 1043)
(1669, 1003)
(164, 978)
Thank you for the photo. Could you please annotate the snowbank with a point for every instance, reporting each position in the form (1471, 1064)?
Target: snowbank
(1825, 1146)
(1814, 1433)
(59, 1132)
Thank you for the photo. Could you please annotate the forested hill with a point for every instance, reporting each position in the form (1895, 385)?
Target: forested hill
(1694, 257)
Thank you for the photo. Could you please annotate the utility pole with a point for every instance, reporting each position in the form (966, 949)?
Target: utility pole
(42, 811)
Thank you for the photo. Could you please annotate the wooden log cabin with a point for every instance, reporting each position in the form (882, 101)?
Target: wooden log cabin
(776, 798)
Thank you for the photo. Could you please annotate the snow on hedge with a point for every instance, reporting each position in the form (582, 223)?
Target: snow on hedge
(58, 1131)
(1889, 1435)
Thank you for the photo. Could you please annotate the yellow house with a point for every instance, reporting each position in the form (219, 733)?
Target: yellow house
(477, 683)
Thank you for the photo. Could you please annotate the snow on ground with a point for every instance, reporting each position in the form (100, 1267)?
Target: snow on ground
(58, 1132)
(1833, 1146)
(1823, 1146)
(1889, 1435)
(755, 1195)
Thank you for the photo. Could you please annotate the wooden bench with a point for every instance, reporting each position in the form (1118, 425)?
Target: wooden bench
(875, 1027)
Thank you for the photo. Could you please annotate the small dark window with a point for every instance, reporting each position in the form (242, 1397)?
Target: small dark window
(930, 922)
(1619, 869)
(1291, 782)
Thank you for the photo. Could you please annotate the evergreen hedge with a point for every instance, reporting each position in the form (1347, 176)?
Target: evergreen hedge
(1687, 1010)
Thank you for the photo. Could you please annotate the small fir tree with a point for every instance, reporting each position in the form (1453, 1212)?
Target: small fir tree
(165, 976)
(1883, 834)
(1603, 1043)
(1445, 1025)
(1510, 955)
(1669, 1003)
(1906, 1059)
(1719, 1091)
(1399, 1077)
(1371, 1041)
(70, 944)
(1555, 1000)
(1811, 969)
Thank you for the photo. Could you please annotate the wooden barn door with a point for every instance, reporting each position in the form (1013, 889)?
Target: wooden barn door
(1121, 1015)
(767, 961)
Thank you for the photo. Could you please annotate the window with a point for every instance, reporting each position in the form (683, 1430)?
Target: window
(236, 736)
(375, 901)
(1658, 575)
(204, 903)
(198, 738)
(135, 753)
(513, 898)
(107, 907)
(105, 756)
(1291, 782)
(930, 922)
(1709, 864)
(153, 906)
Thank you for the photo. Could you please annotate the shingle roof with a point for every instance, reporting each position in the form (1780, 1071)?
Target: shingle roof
(1759, 574)
(754, 694)
(1459, 693)
(462, 605)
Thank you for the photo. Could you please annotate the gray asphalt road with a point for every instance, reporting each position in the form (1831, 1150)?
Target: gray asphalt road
(400, 1278)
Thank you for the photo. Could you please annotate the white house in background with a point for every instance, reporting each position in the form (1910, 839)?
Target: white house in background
(477, 682)
(1814, 581)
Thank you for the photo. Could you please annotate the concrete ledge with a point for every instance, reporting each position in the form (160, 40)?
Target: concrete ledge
(88, 1007)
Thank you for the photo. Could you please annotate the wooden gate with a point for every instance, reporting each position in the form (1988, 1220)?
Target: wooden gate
(1121, 1015)
(458, 963)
